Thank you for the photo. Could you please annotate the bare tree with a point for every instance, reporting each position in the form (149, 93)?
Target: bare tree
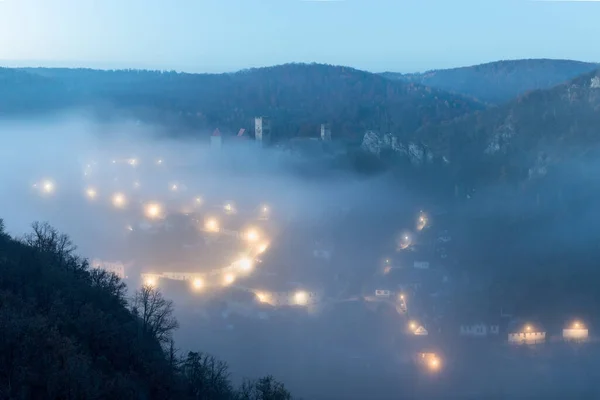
(49, 240)
(266, 388)
(172, 356)
(110, 282)
(206, 377)
(156, 313)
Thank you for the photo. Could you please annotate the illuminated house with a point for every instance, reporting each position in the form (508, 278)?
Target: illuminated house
(420, 331)
(116, 268)
(576, 332)
(279, 292)
(293, 297)
(526, 333)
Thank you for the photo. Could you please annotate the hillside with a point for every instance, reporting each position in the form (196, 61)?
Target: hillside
(20, 90)
(526, 138)
(298, 98)
(501, 81)
(70, 332)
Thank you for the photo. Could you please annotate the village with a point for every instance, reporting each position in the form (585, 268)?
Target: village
(231, 266)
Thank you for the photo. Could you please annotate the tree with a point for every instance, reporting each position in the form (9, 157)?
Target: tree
(47, 239)
(266, 388)
(156, 313)
(3, 234)
(58, 246)
(110, 283)
(206, 377)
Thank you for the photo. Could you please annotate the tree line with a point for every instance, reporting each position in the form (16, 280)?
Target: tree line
(69, 331)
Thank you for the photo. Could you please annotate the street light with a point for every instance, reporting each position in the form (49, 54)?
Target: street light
(153, 210)
(91, 193)
(211, 225)
(150, 281)
(228, 279)
(245, 264)
(197, 284)
(119, 200)
(301, 298)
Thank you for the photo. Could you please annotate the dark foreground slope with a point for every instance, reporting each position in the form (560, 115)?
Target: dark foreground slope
(500, 81)
(298, 98)
(67, 333)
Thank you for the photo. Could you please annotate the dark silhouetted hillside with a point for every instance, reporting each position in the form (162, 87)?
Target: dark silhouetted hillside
(69, 332)
(499, 81)
(524, 139)
(298, 98)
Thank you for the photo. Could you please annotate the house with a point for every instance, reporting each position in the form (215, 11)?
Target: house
(277, 291)
(479, 329)
(116, 268)
(421, 264)
(525, 333)
(576, 332)
(420, 331)
(322, 250)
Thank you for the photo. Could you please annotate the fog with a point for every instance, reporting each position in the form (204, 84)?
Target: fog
(350, 344)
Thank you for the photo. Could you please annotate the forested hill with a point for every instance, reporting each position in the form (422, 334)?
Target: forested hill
(500, 81)
(298, 98)
(70, 332)
(529, 137)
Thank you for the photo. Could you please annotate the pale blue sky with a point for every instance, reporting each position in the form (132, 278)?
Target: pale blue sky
(226, 35)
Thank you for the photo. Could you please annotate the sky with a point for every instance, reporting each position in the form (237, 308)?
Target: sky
(227, 35)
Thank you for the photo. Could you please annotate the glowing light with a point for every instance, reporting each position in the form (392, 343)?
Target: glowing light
(119, 200)
(198, 201)
(174, 187)
(153, 210)
(132, 161)
(150, 281)
(47, 187)
(412, 325)
(404, 242)
(528, 328)
(136, 184)
(245, 264)
(265, 209)
(159, 161)
(434, 363)
(197, 284)
(228, 279)
(252, 235)
(401, 297)
(301, 298)
(211, 225)
(262, 248)
(229, 208)
(262, 297)
(129, 228)
(577, 325)
(91, 193)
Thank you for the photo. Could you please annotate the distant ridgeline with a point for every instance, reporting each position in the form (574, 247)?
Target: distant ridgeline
(297, 98)
(384, 124)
